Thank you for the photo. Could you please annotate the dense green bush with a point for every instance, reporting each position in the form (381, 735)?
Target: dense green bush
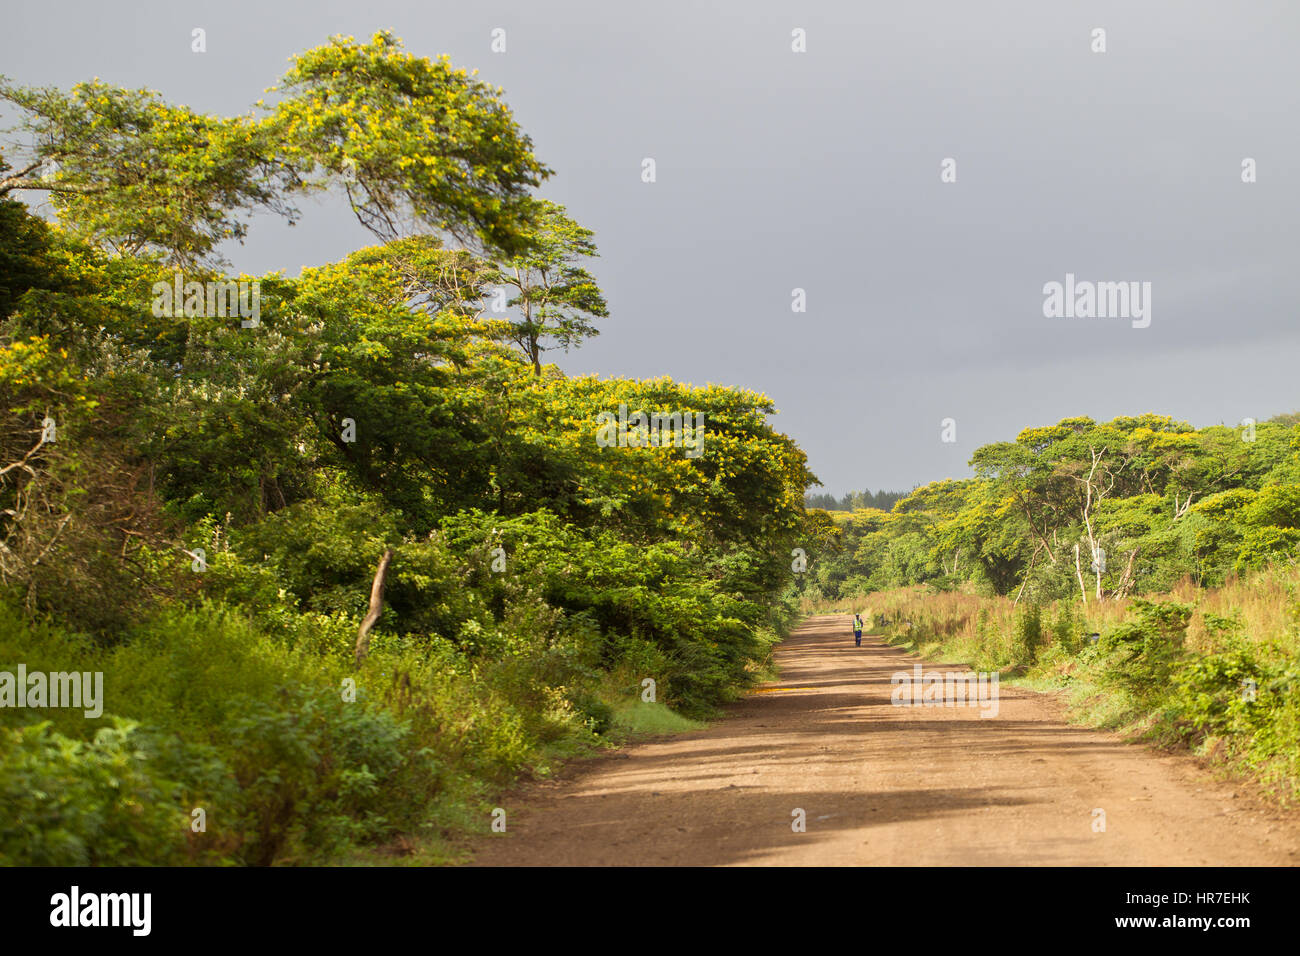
(1140, 655)
(83, 802)
(1221, 692)
(1027, 634)
(317, 773)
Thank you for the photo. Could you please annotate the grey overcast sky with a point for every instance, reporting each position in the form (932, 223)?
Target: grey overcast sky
(820, 170)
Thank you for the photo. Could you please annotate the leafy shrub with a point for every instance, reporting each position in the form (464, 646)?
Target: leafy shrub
(317, 773)
(66, 802)
(1066, 628)
(1027, 634)
(1219, 693)
(1140, 655)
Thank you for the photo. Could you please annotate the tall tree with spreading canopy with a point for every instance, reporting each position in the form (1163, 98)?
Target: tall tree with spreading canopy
(417, 144)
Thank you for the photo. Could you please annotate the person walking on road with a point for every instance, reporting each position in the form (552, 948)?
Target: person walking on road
(857, 630)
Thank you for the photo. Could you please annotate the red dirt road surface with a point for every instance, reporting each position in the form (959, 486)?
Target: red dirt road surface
(886, 785)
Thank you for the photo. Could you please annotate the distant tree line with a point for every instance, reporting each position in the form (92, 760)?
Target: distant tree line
(884, 500)
(1084, 509)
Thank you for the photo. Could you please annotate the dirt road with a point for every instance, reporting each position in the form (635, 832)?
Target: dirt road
(886, 785)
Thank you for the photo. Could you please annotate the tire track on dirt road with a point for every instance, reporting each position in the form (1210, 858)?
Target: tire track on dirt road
(885, 785)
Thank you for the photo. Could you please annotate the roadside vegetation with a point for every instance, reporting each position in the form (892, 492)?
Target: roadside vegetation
(1148, 568)
(351, 564)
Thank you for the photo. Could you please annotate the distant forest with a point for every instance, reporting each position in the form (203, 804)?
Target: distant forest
(884, 500)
